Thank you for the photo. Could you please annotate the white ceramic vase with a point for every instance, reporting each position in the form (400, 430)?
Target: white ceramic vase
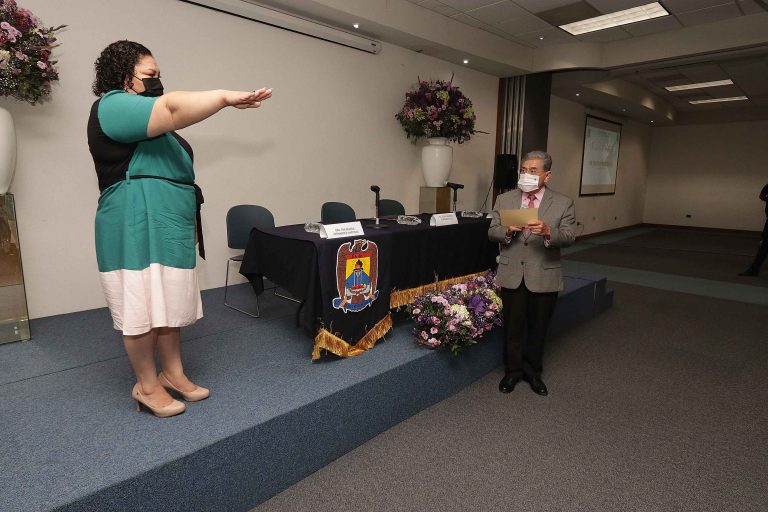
(7, 150)
(436, 160)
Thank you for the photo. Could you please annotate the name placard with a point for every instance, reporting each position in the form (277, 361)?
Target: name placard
(443, 219)
(341, 230)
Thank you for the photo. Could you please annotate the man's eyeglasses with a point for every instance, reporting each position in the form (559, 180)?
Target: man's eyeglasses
(532, 171)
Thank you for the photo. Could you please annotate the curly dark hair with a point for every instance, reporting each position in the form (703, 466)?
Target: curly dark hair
(115, 64)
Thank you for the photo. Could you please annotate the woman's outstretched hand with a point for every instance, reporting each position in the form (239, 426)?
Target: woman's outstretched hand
(249, 99)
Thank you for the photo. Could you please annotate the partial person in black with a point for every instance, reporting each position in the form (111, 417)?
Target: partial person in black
(762, 251)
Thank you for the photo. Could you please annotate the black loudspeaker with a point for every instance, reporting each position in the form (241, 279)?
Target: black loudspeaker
(505, 172)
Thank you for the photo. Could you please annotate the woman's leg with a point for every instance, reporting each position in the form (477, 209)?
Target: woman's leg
(141, 353)
(169, 347)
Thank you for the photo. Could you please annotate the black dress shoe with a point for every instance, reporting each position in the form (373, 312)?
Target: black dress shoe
(537, 385)
(507, 384)
(749, 272)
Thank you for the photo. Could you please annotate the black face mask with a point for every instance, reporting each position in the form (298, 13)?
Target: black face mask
(152, 87)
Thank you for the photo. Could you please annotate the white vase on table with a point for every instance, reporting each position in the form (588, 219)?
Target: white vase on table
(436, 160)
(7, 150)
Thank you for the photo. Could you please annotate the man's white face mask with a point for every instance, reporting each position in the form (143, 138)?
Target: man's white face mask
(528, 182)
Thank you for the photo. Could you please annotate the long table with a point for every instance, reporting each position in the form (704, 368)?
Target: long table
(347, 286)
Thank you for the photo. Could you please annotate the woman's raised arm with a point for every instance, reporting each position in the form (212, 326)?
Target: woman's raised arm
(177, 110)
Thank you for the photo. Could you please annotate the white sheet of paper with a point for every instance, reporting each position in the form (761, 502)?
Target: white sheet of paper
(341, 230)
(518, 218)
(443, 219)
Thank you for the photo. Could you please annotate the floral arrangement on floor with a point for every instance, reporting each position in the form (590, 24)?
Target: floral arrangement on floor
(26, 68)
(437, 109)
(458, 316)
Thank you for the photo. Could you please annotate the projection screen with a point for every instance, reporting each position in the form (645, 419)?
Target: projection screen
(600, 159)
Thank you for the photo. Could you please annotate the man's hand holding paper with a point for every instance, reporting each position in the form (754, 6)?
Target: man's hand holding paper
(518, 218)
(538, 227)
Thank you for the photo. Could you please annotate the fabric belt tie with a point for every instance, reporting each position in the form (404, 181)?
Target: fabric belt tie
(199, 200)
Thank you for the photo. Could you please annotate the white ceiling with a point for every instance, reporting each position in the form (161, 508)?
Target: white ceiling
(519, 20)
(620, 70)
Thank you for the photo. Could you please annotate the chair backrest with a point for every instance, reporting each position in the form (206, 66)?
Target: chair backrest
(332, 213)
(390, 207)
(241, 219)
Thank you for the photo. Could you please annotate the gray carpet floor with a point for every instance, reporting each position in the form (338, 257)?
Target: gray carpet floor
(715, 256)
(658, 404)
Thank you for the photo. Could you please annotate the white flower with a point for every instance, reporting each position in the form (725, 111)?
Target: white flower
(460, 311)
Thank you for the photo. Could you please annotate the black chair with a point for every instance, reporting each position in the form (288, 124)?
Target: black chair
(333, 213)
(390, 207)
(241, 219)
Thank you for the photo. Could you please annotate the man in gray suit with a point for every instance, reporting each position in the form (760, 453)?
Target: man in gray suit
(529, 271)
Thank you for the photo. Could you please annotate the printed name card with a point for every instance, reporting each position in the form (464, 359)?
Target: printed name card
(341, 230)
(443, 219)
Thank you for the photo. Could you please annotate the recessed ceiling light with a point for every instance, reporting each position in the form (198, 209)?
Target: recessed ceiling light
(356, 25)
(699, 85)
(616, 19)
(541, 38)
(578, 94)
(651, 120)
(718, 100)
(466, 61)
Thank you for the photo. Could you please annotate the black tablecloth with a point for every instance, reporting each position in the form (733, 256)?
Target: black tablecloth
(408, 257)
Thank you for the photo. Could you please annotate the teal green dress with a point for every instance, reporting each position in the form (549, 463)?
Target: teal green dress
(145, 221)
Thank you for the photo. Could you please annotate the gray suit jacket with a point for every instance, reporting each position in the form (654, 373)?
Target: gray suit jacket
(528, 257)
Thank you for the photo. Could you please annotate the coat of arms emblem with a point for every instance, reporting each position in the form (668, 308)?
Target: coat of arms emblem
(357, 275)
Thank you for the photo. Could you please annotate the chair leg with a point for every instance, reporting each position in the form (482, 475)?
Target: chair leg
(226, 288)
(286, 297)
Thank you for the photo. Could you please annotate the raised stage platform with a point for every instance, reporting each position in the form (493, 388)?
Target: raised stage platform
(73, 441)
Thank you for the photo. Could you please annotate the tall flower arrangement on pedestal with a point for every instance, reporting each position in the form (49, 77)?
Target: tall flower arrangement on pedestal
(458, 316)
(438, 111)
(26, 73)
(26, 68)
(437, 108)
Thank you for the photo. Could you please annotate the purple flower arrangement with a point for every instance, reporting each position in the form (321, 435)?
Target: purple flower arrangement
(26, 68)
(437, 109)
(459, 316)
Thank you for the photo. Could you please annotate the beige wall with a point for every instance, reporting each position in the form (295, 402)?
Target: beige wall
(566, 139)
(712, 172)
(328, 133)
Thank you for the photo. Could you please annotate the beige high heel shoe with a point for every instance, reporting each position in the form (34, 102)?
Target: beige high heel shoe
(199, 393)
(172, 409)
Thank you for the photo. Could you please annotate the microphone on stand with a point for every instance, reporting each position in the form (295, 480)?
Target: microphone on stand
(376, 189)
(455, 187)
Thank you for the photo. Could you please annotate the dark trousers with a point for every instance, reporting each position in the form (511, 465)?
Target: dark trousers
(525, 313)
(762, 252)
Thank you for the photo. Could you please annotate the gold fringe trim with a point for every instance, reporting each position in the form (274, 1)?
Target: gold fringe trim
(381, 328)
(402, 297)
(326, 340)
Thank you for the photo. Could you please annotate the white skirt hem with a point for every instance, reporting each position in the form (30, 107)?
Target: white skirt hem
(157, 296)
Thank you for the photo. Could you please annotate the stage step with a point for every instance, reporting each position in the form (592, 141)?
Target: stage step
(75, 442)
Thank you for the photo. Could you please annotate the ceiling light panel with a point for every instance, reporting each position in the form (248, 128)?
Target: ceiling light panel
(719, 100)
(700, 85)
(616, 19)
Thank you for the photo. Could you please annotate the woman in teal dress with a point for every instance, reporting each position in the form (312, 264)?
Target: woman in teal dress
(147, 221)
